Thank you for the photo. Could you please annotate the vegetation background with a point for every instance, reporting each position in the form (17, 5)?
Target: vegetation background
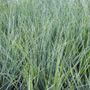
(45, 45)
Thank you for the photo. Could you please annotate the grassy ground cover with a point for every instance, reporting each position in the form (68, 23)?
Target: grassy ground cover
(45, 45)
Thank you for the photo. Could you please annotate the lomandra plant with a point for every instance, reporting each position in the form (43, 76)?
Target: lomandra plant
(45, 45)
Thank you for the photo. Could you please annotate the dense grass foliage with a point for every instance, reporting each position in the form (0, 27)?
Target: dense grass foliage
(45, 45)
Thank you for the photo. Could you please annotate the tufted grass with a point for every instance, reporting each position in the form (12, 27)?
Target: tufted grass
(45, 45)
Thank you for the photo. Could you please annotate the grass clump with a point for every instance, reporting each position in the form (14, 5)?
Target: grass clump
(45, 45)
